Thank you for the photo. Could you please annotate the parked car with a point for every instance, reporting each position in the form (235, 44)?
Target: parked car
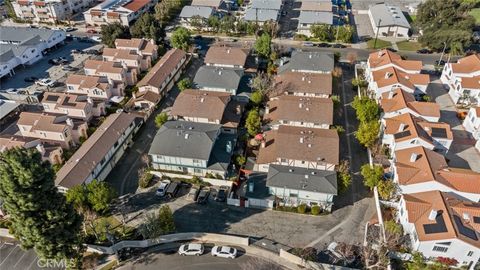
(424, 51)
(162, 189)
(96, 38)
(92, 31)
(221, 194)
(45, 82)
(193, 193)
(69, 29)
(323, 45)
(63, 60)
(30, 79)
(307, 44)
(203, 195)
(339, 46)
(391, 49)
(76, 51)
(172, 189)
(54, 61)
(191, 250)
(224, 252)
(68, 68)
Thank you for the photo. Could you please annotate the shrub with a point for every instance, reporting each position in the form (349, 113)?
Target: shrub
(302, 208)
(209, 175)
(5, 223)
(145, 180)
(315, 210)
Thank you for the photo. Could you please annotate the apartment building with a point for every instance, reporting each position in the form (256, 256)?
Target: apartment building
(472, 124)
(52, 128)
(462, 80)
(218, 79)
(398, 101)
(308, 62)
(142, 46)
(190, 13)
(227, 57)
(113, 11)
(299, 111)
(307, 19)
(74, 106)
(50, 11)
(385, 59)
(98, 155)
(128, 58)
(388, 21)
(311, 148)
(95, 87)
(303, 84)
(49, 152)
(116, 72)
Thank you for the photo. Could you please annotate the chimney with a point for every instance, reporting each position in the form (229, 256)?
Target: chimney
(300, 105)
(267, 109)
(433, 215)
(401, 127)
(301, 139)
(202, 100)
(40, 148)
(387, 75)
(69, 122)
(263, 144)
(466, 216)
(152, 41)
(413, 157)
(390, 95)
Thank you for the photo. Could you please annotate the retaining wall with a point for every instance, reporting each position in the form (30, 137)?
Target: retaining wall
(213, 181)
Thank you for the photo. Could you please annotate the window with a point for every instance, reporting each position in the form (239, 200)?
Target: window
(440, 249)
(470, 253)
(197, 170)
(283, 160)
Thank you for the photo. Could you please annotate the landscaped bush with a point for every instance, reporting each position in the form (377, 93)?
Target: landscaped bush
(145, 180)
(302, 208)
(315, 210)
(5, 223)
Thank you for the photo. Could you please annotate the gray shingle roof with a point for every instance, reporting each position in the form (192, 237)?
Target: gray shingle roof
(190, 11)
(262, 15)
(302, 179)
(267, 4)
(185, 139)
(312, 17)
(216, 77)
(22, 34)
(309, 61)
(389, 15)
(220, 157)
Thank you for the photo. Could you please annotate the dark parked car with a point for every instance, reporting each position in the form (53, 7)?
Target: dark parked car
(69, 68)
(440, 63)
(221, 194)
(54, 61)
(424, 51)
(323, 45)
(392, 49)
(338, 45)
(203, 195)
(30, 79)
(172, 189)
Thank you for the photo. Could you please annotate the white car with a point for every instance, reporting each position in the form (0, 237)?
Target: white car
(224, 252)
(191, 249)
(96, 38)
(45, 82)
(162, 189)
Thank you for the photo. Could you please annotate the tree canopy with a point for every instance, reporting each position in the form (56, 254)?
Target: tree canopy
(40, 215)
(181, 38)
(256, 98)
(95, 196)
(371, 175)
(445, 21)
(366, 109)
(112, 31)
(146, 27)
(262, 45)
(161, 119)
(184, 83)
(253, 122)
(367, 133)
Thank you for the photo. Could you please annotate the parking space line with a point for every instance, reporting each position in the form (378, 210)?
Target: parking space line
(6, 257)
(31, 264)
(20, 259)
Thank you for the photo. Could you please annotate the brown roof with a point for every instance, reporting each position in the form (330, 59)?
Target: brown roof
(64, 100)
(103, 66)
(11, 141)
(391, 75)
(164, 67)
(119, 54)
(202, 104)
(43, 121)
(401, 99)
(141, 44)
(87, 82)
(300, 109)
(299, 143)
(385, 57)
(467, 64)
(136, 4)
(470, 82)
(450, 219)
(226, 56)
(149, 96)
(96, 12)
(316, 6)
(420, 169)
(79, 167)
(313, 83)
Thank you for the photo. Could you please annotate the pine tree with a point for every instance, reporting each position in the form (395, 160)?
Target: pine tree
(41, 217)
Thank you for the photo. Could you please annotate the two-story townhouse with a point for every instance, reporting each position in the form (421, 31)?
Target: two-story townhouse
(297, 185)
(307, 19)
(52, 128)
(143, 47)
(208, 107)
(50, 152)
(472, 124)
(462, 79)
(442, 225)
(308, 62)
(192, 148)
(419, 169)
(191, 13)
(299, 111)
(303, 84)
(215, 4)
(162, 77)
(262, 11)
(113, 11)
(398, 101)
(129, 58)
(74, 106)
(317, 5)
(406, 131)
(49, 11)
(311, 148)
(225, 56)
(218, 79)
(387, 79)
(388, 20)
(96, 87)
(98, 155)
(116, 72)
(384, 58)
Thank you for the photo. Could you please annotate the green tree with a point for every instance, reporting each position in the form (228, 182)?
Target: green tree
(322, 31)
(10, 10)
(166, 217)
(386, 189)
(181, 38)
(41, 218)
(253, 122)
(367, 133)
(161, 119)
(344, 33)
(445, 21)
(251, 28)
(197, 22)
(240, 160)
(99, 195)
(417, 262)
(256, 98)
(393, 228)
(146, 27)
(112, 31)
(366, 109)
(227, 24)
(184, 83)
(344, 177)
(263, 45)
(371, 175)
(213, 23)
(358, 82)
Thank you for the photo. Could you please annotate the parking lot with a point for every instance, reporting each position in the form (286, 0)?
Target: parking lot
(43, 69)
(13, 257)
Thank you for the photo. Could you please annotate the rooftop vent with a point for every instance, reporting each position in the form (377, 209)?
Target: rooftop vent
(401, 127)
(388, 75)
(290, 170)
(306, 176)
(466, 216)
(390, 95)
(301, 140)
(432, 215)
(186, 136)
(413, 157)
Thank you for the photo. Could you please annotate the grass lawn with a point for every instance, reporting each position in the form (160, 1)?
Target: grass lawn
(380, 44)
(113, 224)
(476, 14)
(410, 18)
(408, 45)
